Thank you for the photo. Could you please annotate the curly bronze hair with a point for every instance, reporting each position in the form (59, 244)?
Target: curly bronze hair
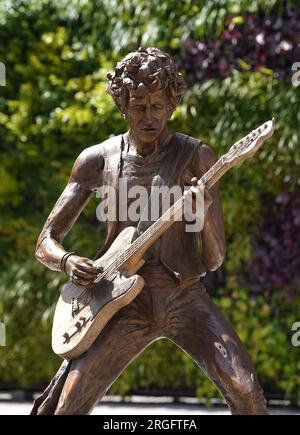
(146, 68)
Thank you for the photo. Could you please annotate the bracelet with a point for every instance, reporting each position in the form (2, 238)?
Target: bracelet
(64, 260)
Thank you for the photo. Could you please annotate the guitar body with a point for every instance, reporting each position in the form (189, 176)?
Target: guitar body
(81, 314)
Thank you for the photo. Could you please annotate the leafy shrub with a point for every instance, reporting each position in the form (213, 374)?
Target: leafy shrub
(250, 42)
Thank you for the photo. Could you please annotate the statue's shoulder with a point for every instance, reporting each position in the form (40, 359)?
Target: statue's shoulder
(90, 162)
(110, 146)
(204, 150)
(201, 155)
(187, 142)
(94, 154)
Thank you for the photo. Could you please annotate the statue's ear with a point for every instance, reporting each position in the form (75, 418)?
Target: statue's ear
(123, 110)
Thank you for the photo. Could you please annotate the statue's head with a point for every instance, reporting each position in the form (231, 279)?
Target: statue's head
(146, 88)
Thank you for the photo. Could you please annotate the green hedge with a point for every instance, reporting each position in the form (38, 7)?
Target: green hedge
(55, 105)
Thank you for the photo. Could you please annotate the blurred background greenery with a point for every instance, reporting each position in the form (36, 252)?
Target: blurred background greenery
(237, 58)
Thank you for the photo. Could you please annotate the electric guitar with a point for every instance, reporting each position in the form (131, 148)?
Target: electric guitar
(82, 313)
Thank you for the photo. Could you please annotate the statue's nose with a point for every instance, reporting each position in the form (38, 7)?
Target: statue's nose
(148, 115)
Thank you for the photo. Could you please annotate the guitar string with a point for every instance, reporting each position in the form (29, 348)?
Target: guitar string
(113, 267)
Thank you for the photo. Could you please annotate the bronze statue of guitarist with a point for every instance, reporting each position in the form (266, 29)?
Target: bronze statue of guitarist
(173, 304)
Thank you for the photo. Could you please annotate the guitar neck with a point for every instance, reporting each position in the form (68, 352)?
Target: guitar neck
(215, 173)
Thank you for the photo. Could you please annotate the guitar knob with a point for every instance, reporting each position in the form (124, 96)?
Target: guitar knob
(66, 337)
(78, 326)
(83, 319)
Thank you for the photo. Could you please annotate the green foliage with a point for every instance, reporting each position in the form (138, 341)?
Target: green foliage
(27, 292)
(57, 54)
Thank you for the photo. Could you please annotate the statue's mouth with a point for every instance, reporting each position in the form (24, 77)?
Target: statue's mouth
(150, 129)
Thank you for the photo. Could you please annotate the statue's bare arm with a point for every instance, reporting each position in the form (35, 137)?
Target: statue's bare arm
(85, 177)
(213, 235)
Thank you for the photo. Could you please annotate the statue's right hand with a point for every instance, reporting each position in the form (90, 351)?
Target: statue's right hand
(82, 271)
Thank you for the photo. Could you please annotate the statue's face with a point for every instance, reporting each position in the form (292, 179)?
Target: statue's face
(147, 114)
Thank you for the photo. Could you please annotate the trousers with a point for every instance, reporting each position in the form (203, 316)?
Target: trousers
(183, 313)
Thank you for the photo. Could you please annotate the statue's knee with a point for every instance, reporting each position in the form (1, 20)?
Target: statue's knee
(235, 369)
(239, 382)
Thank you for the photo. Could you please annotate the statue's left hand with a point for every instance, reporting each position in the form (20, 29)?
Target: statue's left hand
(207, 196)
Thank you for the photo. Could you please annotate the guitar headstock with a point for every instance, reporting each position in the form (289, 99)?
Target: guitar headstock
(248, 145)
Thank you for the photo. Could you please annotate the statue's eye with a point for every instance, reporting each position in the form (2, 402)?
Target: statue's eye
(157, 106)
(138, 108)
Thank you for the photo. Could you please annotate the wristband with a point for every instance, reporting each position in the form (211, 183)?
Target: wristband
(64, 259)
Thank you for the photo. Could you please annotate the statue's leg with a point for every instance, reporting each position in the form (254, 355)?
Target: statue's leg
(199, 328)
(46, 402)
(127, 334)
